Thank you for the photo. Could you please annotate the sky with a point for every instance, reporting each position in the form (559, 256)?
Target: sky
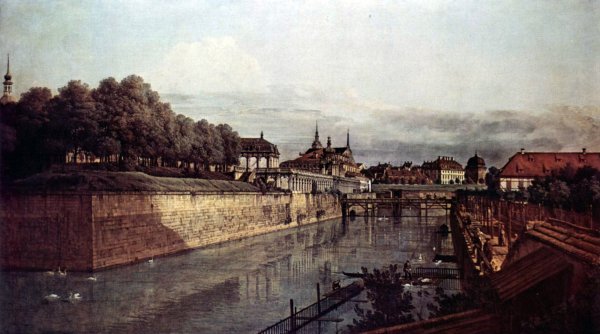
(412, 80)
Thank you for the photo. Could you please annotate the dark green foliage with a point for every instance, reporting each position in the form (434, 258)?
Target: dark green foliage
(391, 304)
(477, 294)
(26, 124)
(568, 188)
(118, 122)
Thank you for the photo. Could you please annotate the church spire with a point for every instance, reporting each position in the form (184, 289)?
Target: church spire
(7, 78)
(7, 67)
(6, 96)
(348, 139)
(316, 143)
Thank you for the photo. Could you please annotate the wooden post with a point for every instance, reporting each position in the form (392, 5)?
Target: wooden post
(292, 318)
(509, 229)
(591, 216)
(319, 298)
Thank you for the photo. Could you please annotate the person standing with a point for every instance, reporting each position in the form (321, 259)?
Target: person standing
(407, 268)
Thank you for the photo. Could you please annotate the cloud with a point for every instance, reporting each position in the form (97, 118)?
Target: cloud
(211, 65)
(390, 133)
(496, 135)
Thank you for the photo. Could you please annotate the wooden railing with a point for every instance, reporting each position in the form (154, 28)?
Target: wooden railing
(435, 272)
(301, 318)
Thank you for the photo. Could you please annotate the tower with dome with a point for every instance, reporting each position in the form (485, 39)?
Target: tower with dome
(475, 170)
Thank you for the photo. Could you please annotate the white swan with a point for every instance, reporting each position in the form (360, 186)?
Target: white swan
(92, 278)
(151, 260)
(62, 273)
(74, 297)
(52, 297)
(49, 273)
(437, 263)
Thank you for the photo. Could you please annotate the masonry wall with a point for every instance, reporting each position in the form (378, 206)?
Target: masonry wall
(45, 231)
(99, 230)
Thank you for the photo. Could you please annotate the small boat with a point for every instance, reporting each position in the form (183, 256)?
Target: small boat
(355, 275)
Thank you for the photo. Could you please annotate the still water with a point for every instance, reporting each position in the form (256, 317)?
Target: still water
(237, 287)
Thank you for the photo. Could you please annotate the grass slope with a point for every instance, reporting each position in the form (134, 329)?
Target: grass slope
(123, 181)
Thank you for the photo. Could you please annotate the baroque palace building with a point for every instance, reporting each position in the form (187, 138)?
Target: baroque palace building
(328, 160)
(319, 169)
(444, 170)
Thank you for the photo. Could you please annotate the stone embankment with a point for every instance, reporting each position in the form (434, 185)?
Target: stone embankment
(88, 230)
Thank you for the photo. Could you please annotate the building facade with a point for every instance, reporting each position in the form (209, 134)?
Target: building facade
(523, 167)
(328, 160)
(444, 170)
(258, 153)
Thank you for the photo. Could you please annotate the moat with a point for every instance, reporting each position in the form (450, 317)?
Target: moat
(235, 287)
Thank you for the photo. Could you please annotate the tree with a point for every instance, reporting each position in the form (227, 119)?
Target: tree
(73, 124)
(30, 120)
(391, 304)
(231, 144)
(123, 122)
(558, 193)
(492, 178)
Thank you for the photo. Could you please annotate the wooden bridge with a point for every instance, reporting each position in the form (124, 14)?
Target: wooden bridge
(415, 207)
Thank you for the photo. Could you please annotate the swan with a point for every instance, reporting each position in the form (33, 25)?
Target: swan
(92, 278)
(151, 260)
(74, 297)
(49, 273)
(437, 263)
(62, 273)
(426, 280)
(52, 297)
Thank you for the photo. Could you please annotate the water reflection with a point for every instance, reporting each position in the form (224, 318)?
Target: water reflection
(241, 286)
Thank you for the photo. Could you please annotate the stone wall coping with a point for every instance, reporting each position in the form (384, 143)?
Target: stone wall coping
(141, 192)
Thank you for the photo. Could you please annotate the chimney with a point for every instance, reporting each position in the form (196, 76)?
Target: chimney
(522, 150)
(583, 150)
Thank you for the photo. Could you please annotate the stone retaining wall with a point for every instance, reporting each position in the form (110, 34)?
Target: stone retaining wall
(99, 230)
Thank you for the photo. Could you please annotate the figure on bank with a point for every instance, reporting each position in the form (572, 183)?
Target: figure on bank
(407, 268)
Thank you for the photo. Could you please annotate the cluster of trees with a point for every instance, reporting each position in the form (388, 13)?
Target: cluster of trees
(119, 122)
(568, 188)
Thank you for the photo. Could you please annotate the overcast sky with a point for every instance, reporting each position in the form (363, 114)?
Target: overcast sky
(411, 79)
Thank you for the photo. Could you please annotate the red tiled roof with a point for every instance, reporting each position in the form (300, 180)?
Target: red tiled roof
(532, 164)
(525, 273)
(583, 245)
(469, 322)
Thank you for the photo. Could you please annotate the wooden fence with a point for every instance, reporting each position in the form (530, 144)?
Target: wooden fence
(299, 319)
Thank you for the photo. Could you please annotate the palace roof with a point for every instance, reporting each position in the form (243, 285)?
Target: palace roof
(442, 163)
(538, 164)
(258, 145)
